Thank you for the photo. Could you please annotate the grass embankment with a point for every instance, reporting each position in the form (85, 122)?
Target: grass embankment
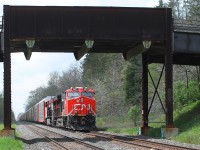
(7, 143)
(187, 120)
(117, 125)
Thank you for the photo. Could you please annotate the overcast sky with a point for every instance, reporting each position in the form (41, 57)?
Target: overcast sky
(28, 75)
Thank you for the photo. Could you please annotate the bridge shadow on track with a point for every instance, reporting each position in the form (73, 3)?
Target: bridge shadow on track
(94, 139)
(38, 140)
(32, 141)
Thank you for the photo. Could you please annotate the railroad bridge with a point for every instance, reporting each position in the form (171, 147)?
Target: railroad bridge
(81, 30)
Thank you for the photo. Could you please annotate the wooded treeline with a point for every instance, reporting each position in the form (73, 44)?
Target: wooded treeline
(117, 83)
(2, 110)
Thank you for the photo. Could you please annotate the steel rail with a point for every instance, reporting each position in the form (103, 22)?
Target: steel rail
(123, 141)
(74, 139)
(154, 144)
(49, 139)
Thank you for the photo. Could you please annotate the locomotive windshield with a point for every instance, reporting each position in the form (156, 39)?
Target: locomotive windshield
(73, 95)
(87, 94)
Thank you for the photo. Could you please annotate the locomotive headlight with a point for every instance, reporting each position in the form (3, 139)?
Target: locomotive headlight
(82, 99)
(83, 122)
(77, 100)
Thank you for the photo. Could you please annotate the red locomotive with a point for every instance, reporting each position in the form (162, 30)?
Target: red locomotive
(74, 109)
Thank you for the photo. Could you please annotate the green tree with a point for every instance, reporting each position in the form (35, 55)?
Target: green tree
(2, 109)
(177, 8)
(53, 83)
(103, 72)
(133, 80)
(71, 78)
(94, 66)
(35, 96)
(161, 4)
(134, 114)
(192, 9)
(109, 89)
(184, 95)
(185, 9)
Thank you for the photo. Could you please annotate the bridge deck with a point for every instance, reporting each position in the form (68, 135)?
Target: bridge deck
(65, 29)
(113, 29)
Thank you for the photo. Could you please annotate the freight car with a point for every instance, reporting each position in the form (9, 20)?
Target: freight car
(74, 109)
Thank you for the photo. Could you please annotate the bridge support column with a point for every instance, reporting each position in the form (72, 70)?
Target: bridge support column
(169, 130)
(145, 127)
(169, 74)
(7, 131)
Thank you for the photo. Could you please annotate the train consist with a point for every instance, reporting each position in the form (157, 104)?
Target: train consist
(74, 109)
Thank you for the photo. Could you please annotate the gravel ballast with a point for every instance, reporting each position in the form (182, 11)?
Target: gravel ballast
(35, 142)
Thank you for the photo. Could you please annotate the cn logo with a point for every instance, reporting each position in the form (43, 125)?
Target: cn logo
(82, 106)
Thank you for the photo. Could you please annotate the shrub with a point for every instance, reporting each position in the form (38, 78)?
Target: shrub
(184, 95)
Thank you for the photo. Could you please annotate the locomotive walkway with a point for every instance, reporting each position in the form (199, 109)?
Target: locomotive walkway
(80, 30)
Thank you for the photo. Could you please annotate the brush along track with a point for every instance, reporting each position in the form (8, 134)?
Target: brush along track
(61, 141)
(139, 142)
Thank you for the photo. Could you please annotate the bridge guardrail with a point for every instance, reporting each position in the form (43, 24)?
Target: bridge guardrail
(187, 25)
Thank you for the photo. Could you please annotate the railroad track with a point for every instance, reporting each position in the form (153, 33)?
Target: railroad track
(129, 141)
(56, 141)
(139, 142)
